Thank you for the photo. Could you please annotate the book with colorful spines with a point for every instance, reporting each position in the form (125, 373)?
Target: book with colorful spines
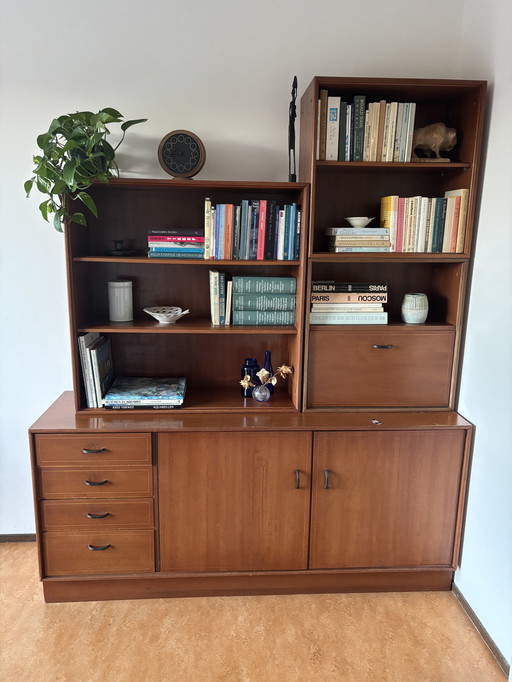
(178, 247)
(173, 239)
(264, 302)
(266, 318)
(176, 254)
(389, 217)
(269, 285)
(262, 226)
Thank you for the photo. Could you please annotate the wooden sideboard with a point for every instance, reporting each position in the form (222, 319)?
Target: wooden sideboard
(182, 504)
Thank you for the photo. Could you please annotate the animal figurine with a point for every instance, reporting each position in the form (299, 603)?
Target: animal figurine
(434, 138)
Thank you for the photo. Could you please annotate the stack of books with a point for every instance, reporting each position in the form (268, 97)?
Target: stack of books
(359, 131)
(129, 393)
(220, 298)
(264, 301)
(358, 239)
(176, 243)
(97, 367)
(348, 303)
(256, 229)
(426, 224)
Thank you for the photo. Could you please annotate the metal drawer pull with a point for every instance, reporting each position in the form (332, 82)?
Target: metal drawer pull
(297, 478)
(96, 482)
(376, 345)
(86, 451)
(326, 479)
(97, 516)
(97, 549)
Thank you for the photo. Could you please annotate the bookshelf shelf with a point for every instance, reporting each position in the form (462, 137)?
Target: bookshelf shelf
(387, 167)
(201, 326)
(199, 262)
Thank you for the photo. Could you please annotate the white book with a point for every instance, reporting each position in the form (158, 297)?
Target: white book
(398, 131)
(214, 297)
(229, 299)
(333, 128)
(410, 131)
(392, 129)
(348, 318)
(348, 134)
(207, 227)
(280, 235)
(421, 225)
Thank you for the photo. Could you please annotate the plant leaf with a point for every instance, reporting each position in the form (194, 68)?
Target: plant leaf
(28, 186)
(111, 112)
(89, 202)
(68, 172)
(43, 207)
(78, 218)
(129, 124)
(57, 220)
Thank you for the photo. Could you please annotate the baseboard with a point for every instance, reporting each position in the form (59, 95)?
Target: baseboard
(501, 660)
(26, 537)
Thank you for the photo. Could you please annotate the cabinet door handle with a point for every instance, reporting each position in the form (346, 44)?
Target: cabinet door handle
(96, 482)
(87, 451)
(326, 479)
(97, 549)
(297, 478)
(379, 347)
(97, 516)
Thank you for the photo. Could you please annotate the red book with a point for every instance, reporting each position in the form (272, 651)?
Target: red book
(174, 238)
(262, 225)
(228, 232)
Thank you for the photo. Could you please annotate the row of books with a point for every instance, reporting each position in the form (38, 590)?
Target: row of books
(256, 229)
(348, 302)
(358, 239)
(359, 131)
(426, 224)
(259, 301)
(97, 368)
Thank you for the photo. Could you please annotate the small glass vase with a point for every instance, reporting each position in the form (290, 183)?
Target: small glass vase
(261, 393)
(414, 308)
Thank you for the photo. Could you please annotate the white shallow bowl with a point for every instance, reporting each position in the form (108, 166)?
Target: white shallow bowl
(359, 221)
(166, 314)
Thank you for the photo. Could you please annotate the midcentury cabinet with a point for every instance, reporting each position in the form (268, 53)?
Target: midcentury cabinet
(351, 478)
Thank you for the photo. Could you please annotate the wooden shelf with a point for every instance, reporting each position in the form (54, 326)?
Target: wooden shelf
(391, 257)
(184, 326)
(201, 262)
(386, 167)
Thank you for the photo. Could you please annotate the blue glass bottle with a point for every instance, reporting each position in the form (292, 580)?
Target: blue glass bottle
(249, 368)
(268, 366)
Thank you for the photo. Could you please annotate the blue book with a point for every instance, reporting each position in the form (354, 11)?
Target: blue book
(186, 248)
(292, 231)
(286, 245)
(144, 390)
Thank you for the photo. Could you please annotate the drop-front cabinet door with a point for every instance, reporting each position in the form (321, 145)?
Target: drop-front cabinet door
(385, 499)
(234, 501)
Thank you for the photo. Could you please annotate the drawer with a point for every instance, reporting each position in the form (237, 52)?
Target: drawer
(98, 448)
(96, 514)
(96, 552)
(57, 483)
(399, 367)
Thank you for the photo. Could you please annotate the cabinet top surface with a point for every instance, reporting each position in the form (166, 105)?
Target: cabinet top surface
(61, 417)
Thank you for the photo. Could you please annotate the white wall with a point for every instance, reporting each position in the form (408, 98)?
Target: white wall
(223, 70)
(485, 576)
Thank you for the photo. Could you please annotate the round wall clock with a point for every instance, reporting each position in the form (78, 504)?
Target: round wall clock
(181, 154)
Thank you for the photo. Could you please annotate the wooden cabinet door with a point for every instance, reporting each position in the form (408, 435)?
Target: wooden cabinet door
(234, 501)
(391, 498)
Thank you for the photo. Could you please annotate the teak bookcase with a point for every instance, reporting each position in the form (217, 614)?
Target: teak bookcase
(351, 478)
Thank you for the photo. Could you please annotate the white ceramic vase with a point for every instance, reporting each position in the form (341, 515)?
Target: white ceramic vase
(414, 308)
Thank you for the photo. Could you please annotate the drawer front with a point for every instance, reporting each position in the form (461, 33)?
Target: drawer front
(96, 514)
(98, 448)
(380, 368)
(56, 483)
(93, 552)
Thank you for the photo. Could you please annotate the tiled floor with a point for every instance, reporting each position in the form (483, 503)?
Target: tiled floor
(400, 637)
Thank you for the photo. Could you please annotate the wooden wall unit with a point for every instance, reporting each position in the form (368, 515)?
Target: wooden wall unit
(351, 478)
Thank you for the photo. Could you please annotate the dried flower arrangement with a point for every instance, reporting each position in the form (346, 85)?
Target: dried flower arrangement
(267, 378)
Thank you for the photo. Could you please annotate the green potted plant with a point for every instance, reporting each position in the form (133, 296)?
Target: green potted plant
(74, 154)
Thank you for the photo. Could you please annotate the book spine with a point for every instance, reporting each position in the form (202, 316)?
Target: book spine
(85, 357)
(253, 239)
(359, 249)
(229, 302)
(262, 226)
(175, 239)
(228, 231)
(346, 308)
(263, 317)
(183, 231)
(322, 131)
(353, 297)
(333, 128)
(348, 318)
(347, 241)
(222, 297)
(292, 231)
(298, 230)
(235, 249)
(286, 242)
(177, 254)
(242, 250)
(270, 231)
(264, 302)
(166, 406)
(189, 248)
(264, 285)
(280, 235)
(214, 296)
(207, 227)
(392, 130)
(359, 118)
(342, 132)
(347, 287)
(357, 231)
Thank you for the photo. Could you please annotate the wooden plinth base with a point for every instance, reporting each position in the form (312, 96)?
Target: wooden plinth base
(163, 585)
